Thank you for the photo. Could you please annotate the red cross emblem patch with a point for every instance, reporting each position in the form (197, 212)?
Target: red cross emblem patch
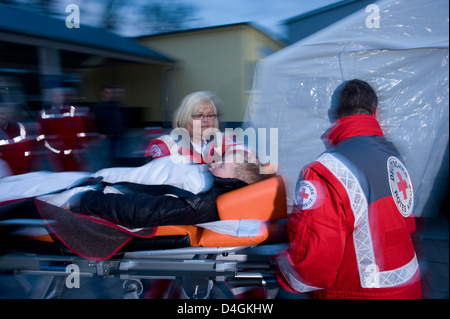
(155, 151)
(401, 186)
(306, 195)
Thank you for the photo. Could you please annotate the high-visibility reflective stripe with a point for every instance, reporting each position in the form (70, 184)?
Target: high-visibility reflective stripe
(71, 113)
(54, 150)
(370, 276)
(22, 136)
(292, 276)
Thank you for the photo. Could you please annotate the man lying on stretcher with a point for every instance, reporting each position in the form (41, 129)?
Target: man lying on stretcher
(136, 206)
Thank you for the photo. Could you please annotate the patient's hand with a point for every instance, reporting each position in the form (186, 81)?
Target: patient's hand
(74, 202)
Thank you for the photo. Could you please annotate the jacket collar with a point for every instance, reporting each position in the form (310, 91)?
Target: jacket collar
(351, 126)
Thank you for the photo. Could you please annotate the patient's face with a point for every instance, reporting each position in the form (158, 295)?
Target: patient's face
(223, 169)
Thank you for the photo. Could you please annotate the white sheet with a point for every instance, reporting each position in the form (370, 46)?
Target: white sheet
(165, 170)
(236, 228)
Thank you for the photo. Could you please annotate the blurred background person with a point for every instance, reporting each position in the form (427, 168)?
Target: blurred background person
(112, 122)
(64, 131)
(14, 139)
(14, 144)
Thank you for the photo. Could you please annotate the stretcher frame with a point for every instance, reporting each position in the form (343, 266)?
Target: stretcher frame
(197, 267)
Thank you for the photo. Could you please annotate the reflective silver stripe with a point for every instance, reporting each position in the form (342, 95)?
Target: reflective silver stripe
(54, 150)
(22, 136)
(292, 276)
(369, 274)
(395, 277)
(71, 113)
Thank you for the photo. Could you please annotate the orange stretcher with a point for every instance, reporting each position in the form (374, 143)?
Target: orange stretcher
(197, 254)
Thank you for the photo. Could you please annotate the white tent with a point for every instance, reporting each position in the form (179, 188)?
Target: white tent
(403, 55)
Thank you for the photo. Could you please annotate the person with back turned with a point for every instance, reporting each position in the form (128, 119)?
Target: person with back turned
(352, 220)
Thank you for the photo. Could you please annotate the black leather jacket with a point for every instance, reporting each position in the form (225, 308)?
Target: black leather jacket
(155, 205)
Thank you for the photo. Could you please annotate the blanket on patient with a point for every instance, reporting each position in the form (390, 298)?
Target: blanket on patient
(169, 170)
(94, 238)
(88, 236)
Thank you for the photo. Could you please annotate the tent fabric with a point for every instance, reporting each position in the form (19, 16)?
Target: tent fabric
(405, 60)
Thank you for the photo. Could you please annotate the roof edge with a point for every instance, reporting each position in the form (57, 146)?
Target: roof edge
(255, 26)
(85, 38)
(319, 10)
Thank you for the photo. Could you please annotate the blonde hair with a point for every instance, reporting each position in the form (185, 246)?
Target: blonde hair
(191, 104)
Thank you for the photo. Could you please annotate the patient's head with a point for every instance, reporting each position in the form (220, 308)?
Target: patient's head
(240, 165)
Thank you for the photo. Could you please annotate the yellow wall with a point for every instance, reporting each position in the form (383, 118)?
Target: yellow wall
(214, 59)
(142, 83)
(218, 59)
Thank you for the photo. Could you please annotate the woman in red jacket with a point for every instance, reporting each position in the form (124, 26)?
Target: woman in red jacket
(196, 122)
(350, 228)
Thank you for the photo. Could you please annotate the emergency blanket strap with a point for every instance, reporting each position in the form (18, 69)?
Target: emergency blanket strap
(369, 274)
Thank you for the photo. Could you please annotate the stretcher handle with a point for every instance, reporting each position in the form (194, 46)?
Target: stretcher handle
(254, 266)
(245, 282)
(235, 282)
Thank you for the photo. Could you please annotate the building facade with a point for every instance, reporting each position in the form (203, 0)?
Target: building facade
(219, 59)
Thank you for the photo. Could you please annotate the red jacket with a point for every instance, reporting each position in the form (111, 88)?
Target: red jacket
(351, 224)
(165, 146)
(15, 147)
(65, 128)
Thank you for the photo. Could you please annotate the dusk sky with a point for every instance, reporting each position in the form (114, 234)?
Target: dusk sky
(266, 13)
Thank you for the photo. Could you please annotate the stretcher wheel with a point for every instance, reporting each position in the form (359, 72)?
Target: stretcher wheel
(196, 287)
(132, 288)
